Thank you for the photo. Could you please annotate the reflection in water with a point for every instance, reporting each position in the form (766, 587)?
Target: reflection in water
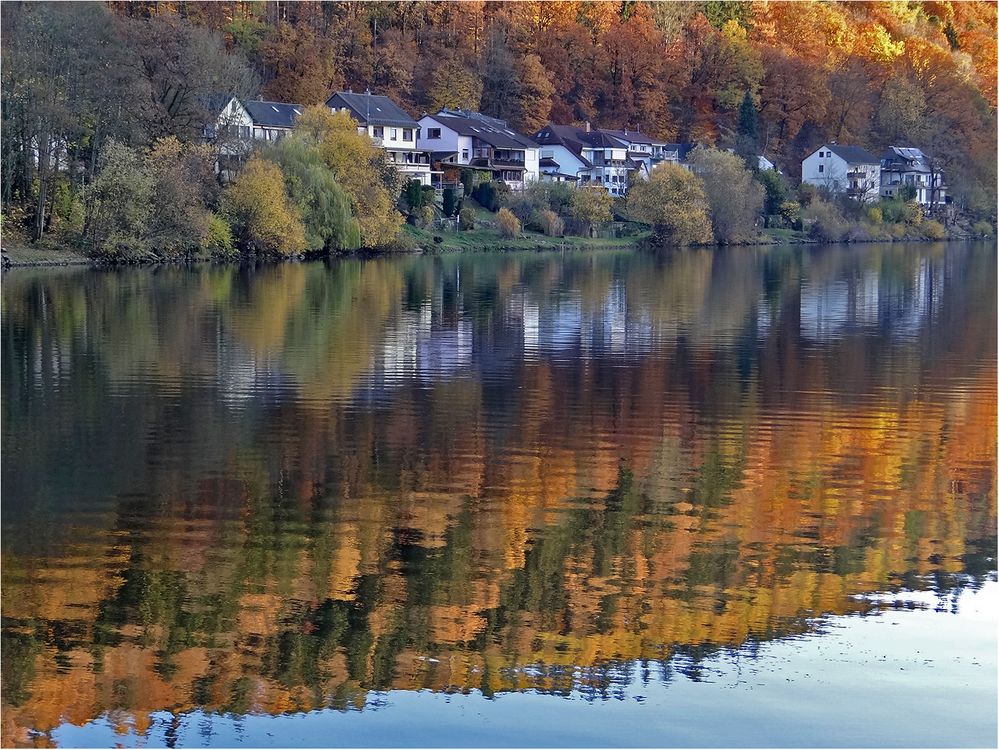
(276, 489)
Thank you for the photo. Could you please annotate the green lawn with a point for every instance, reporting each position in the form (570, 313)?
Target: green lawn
(490, 239)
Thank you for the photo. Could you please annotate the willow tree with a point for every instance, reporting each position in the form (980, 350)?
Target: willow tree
(360, 168)
(325, 206)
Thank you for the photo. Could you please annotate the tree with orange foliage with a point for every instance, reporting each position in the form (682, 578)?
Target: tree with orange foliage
(303, 65)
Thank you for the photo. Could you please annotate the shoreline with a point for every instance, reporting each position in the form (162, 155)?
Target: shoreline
(20, 256)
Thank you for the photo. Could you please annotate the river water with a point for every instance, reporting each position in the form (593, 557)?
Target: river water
(707, 498)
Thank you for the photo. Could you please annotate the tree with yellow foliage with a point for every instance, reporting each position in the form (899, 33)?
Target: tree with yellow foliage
(672, 200)
(360, 167)
(591, 205)
(262, 212)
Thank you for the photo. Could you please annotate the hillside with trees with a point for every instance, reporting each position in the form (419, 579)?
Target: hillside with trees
(82, 82)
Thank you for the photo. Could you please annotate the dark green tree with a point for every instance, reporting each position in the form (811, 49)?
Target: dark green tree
(414, 194)
(747, 117)
(450, 202)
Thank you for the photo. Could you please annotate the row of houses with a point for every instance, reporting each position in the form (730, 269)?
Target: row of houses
(435, 148)
(857, 173)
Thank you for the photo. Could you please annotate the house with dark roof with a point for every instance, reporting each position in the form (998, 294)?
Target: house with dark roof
(241, 123)
(255, 120)
(586, 157)
(272, 120)
(847, 170)
(903, 167)
(462, 138)
(389, 127)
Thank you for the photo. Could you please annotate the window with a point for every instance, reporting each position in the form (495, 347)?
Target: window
(395, 133)
(379, 132)
(407, 134)
(821, 168)
(433, 133)
(464, 154)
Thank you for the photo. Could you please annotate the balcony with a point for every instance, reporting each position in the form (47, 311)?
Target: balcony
(408, 159)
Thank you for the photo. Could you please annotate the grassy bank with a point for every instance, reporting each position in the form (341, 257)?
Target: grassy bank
(45, 253)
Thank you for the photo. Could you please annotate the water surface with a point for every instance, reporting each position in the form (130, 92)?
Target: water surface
(722, 498)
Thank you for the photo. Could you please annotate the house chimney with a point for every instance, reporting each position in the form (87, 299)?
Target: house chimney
(587, 126)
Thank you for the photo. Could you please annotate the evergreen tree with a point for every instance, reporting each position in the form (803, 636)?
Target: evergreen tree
(747, 118)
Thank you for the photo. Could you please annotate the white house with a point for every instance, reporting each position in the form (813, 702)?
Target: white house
(254, 121)
(909, 167)
(389, 127)
(585, 156)
(241, 123)
(642, 148)
(849, 170)
(464, 138)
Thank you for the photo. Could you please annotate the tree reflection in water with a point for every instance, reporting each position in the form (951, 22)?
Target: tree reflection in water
(276, 489)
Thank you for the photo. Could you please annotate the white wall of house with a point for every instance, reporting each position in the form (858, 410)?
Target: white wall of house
(434, 136)
(892, 183)
(532, 170)
(391, 137)
(235, 119)
(825, 169)
(568, 162)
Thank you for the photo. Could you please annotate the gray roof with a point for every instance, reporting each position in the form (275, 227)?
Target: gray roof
(487, 129)
(372, 109)
(600, 139)
(568, 136)
(906, 159)
(273, 114)
(853, 154)
(631, 136)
